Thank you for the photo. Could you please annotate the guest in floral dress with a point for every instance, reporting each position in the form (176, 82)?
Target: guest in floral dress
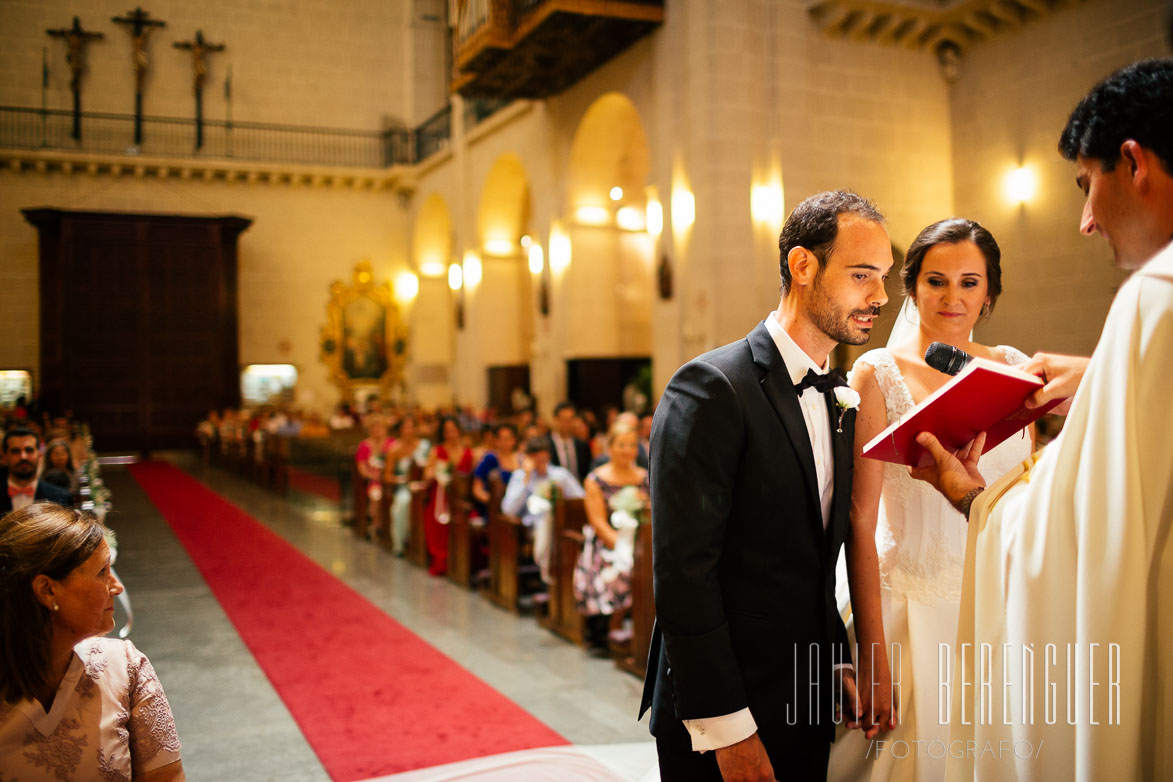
(370, 459)
(616, 493)
(73, 705)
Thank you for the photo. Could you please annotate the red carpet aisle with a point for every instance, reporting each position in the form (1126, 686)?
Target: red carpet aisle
(371, 697)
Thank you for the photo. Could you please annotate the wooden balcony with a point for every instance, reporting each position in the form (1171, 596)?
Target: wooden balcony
(537, 48)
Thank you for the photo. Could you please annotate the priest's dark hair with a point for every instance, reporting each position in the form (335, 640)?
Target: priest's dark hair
(814, 224)
(42, 538)
(1135, 102)
(954, 231)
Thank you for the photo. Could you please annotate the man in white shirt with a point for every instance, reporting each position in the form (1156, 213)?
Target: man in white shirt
(751, 469)
(529, 496)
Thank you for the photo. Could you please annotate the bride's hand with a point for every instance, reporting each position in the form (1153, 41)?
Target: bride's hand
(877, 706)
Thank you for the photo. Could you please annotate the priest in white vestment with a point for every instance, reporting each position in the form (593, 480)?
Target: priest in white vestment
(1063, 666)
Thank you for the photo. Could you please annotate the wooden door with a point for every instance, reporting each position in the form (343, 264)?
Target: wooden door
(138, 322)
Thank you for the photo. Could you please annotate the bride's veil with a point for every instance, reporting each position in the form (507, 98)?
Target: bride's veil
(907, 323)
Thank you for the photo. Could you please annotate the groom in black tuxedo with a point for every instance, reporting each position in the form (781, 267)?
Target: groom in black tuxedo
(751, 470)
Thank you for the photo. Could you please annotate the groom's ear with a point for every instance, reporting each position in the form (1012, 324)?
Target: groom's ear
(804, 265)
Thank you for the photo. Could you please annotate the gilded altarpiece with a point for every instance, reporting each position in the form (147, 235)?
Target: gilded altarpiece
(364, 340)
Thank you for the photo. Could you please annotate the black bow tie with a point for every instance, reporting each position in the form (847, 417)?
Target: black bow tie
(820, 383)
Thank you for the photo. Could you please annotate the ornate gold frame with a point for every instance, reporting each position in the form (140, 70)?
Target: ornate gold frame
(384, 367)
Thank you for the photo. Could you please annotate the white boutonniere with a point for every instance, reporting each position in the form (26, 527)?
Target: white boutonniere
(846, 398)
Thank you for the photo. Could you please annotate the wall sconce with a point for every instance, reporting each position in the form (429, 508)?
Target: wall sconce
(432, 268)
(537, 267)
(1020, 185)
(456, 284)
(559, 251)
(630, 219)
(765, 205)
(407, 287)
(683, 209)
(655, 218)
(616, 193)
(501, 248)
(592, 215)
(473, 270)
(537, 259)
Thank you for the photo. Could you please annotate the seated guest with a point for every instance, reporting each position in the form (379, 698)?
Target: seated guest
(342, 418)
(73, 704)
(407, 450)
(569, 451)
(22, 457)
(59, 458)
(486, 444)
(645, 432)
(448, 457)
(502, 460)
(631, 421)
(530, 494)
(615, 493)
(370, 458)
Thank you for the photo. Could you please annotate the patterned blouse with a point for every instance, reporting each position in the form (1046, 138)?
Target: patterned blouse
(109, 720)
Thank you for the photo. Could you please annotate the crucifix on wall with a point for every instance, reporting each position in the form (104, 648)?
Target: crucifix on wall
(76, 38)
(199, 49)
(139, 25)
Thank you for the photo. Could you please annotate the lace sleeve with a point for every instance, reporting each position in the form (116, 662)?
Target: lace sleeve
(154, 741)
(1013, 355)
(897, 399)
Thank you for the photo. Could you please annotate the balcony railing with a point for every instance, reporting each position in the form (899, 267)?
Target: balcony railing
(477, 110)
(24, 128)
(433, 133)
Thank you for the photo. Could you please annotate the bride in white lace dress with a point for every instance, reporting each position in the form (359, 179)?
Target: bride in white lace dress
(911, 576)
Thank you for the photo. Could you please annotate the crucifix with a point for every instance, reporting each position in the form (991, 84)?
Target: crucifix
(139, 25)
(199, 49)
(76, 38)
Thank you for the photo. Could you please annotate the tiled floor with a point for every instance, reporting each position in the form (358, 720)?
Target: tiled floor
(233, 725)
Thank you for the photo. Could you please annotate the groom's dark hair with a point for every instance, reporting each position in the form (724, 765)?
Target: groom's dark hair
(814, 224)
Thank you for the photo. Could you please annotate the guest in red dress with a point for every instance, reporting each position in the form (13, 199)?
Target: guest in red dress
(448, 457)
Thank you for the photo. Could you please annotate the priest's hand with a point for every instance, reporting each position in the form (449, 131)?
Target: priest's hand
(954, 475)
(1061, 376)
(745, 761)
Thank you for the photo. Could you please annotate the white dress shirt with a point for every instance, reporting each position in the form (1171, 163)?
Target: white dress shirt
(717, 732)
(566, 456)
(21, 500)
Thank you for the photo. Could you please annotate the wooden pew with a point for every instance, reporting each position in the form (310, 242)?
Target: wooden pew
(507, 543)
(566, 536)
(361, 503)
(416, 551)
(279, 467)
(463, 539)
(643, 606)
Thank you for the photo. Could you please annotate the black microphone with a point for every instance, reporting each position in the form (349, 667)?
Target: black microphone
(946, 358)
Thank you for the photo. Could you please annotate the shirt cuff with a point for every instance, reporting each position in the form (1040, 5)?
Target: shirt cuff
(848, 666)
(717, 732)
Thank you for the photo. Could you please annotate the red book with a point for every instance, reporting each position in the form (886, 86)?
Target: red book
(986, 396)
